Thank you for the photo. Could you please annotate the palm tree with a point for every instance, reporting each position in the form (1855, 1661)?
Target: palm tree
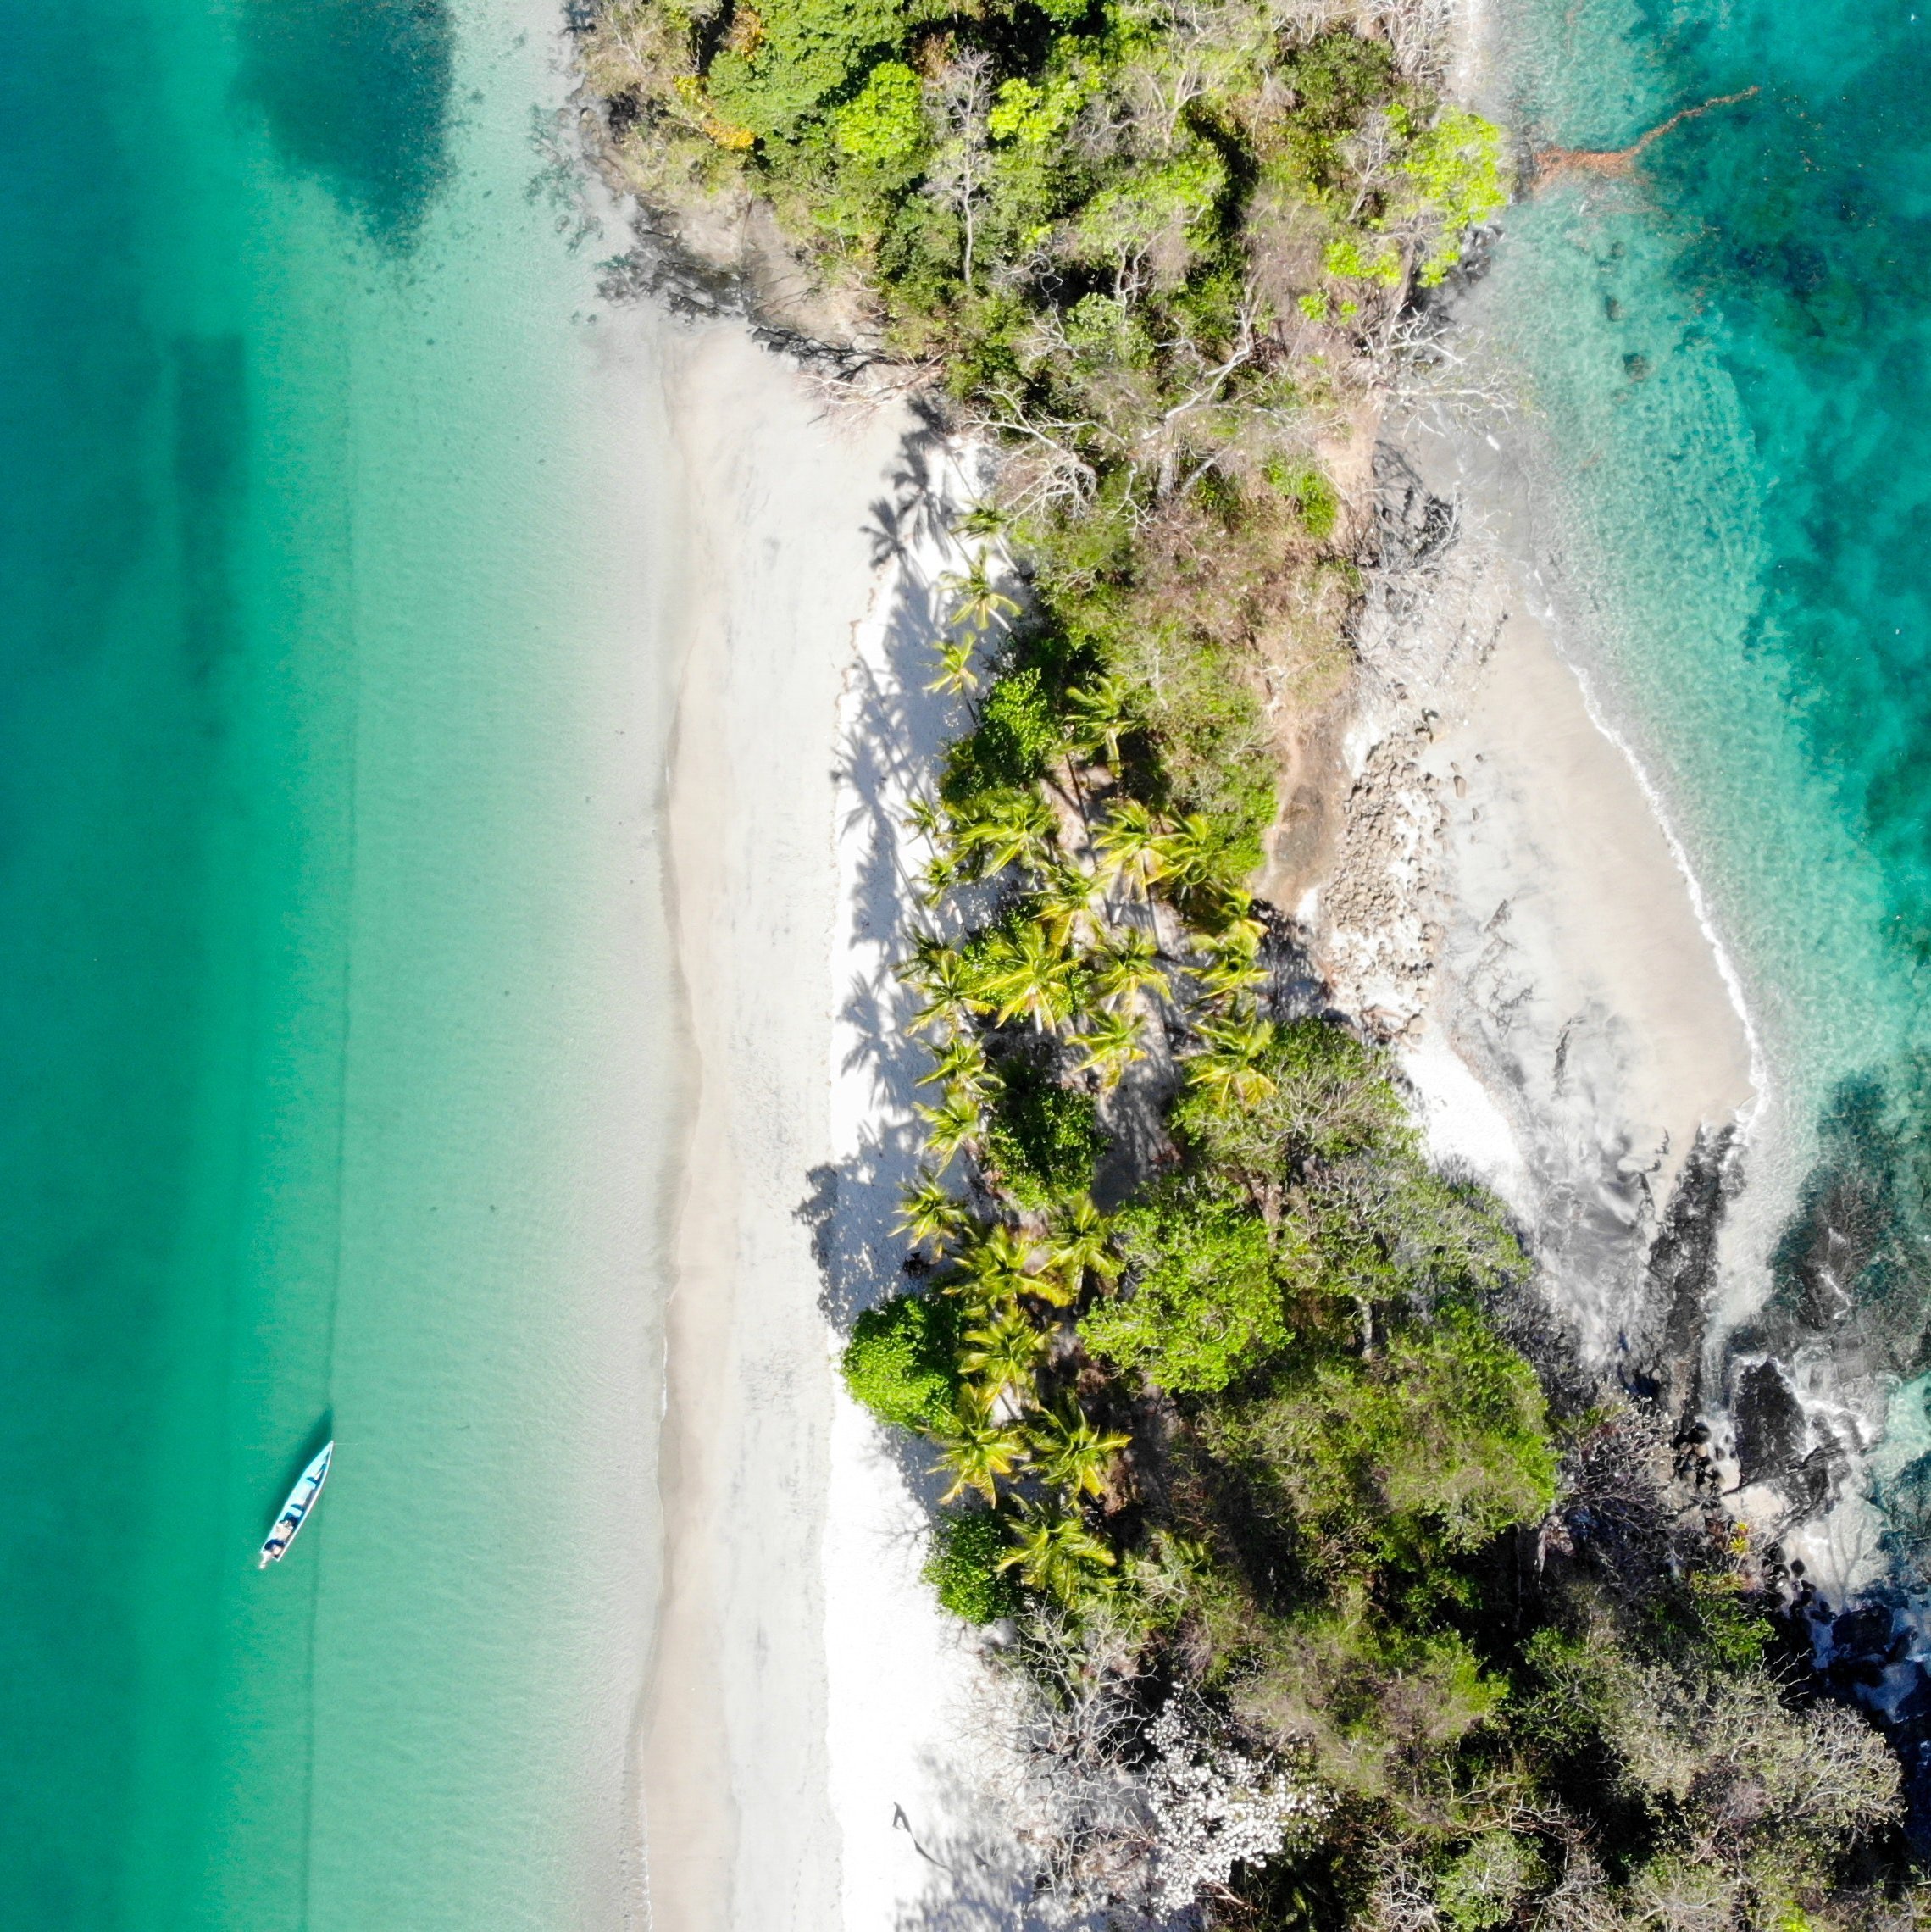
(1195, 858)
(977, 1449)
(927, 817)
(948, 980)
(1109, 1046)
(1012, 828)
(953, 1125)
(1063, 905)
(956, 671)
(1071, 1453)
(1231, 975)
(930, 1214)
(1230, 1068)
(1132, 847)
(984, 520)
(974, 600)
(1005, 1351)
(1055, 1553)
(996, 1267)
(1102, 714)
(960, 1065)
(1079, 1244)
(1128, 967)
(1025, 972)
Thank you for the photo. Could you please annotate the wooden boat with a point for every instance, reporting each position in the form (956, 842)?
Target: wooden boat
(295, 1511)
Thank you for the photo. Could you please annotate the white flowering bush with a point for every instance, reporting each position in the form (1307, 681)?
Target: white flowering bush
(1214, 1807)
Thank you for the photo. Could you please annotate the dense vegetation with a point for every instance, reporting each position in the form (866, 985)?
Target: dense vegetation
(1332, 1609)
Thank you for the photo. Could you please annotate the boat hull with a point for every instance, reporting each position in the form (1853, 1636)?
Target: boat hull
(295, 1512)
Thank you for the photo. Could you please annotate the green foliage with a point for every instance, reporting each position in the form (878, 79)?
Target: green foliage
(1042, 1138)
(1482, 1886)
(781, 62)
(1032, 113)
(1336, 77)
(1202, 1304)
(1331, 1096)
(1358, 257)
(1401, 1462)
(1315, 499)
(1455, 169)
(1018, 734)
(885, 124)
(965, 1566)
(902, 1361)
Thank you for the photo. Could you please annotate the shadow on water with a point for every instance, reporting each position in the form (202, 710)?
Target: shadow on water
(211, 429)
(356, 92)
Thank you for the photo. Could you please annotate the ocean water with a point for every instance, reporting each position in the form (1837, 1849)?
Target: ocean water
(1725, 354)
(337, 1028)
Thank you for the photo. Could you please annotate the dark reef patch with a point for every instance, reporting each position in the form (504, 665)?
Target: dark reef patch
(356, 92)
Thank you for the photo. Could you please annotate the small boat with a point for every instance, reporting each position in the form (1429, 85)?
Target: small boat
(295, 1511)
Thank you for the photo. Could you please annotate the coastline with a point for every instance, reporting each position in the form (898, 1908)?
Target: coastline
(796, 1692)
(1509, 905)
(803, 1736)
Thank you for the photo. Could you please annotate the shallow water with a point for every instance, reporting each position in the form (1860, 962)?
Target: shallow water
(1727, 357)
(338, 1033)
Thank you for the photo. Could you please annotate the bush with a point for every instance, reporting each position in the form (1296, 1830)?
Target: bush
(1041, 1137)
(1203, 1303)
(963, 1568)
(1406, 1461)
(902, 1361)
(1017, 738)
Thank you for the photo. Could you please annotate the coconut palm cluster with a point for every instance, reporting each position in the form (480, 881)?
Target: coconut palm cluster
(1112, 936)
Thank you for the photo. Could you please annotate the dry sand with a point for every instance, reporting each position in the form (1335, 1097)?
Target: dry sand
(797, 1749)
(1510, 908)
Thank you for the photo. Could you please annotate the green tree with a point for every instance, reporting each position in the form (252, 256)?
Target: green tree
(1107, 1046)
(977, 1449)
(964, 1567)
(973, 599)
(1204, 1302)
(1128, 971)
(1071, 1452)
(1057, 1554)
(902, 1361)
(1026, 973)
(1133, 849)
(1004, 1352)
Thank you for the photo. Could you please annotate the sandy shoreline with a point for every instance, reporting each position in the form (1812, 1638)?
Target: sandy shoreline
(1520, 921)
(1509, 905)
(804, 1682)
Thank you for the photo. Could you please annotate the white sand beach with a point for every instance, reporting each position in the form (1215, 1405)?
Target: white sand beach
(808, 1752)
(1509, 905)
(794, 1745)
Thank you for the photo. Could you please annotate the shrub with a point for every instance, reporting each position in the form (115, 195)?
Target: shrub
(1203, 1303)
(779, 62)
(1041, 1137)
(902, 1361)
(1482, 1887)
(1404, 1461)
(1331, 1097)
(1018, 737)
(963, 1568)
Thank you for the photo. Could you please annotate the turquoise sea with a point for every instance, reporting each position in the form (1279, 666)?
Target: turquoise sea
(1726, 356)
(337, 1020)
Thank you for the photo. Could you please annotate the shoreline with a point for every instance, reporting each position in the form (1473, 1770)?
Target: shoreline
(1510, 892)
(830, 1778)
(798, 1695)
